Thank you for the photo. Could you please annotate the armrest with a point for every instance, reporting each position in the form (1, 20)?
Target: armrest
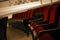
(49, 30)
(35, 20)
(47, 26)
(46, 31)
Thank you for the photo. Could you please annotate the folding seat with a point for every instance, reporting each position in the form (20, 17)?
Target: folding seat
(14, 16)
(25, 22)
(24, 15)
(47, 18)
(33, 25)
(53, 17)
(18, 16)
(41, 12)
(50, 34)
(30, 16)
(29, 13)
(55, 25)
(37, 14)
(21, 15)
(33, 13)
(46, 10)
(36, 11)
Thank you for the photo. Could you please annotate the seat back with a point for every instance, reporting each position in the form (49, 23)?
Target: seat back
(41, 10)
(53, 13)
(37, 13)
(14, 16)
(30, 13)
(53, 16)
(50, 35)
(23, 15)
(46, 11)
(40, 14)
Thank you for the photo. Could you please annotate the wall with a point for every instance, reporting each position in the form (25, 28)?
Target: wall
(4, 4)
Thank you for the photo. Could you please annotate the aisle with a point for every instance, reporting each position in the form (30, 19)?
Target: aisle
(14, 34)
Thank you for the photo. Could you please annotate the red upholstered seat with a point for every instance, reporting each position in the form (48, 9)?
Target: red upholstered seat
(46, 36)
(46, 11)
(54, 16)
(40, 10)
(36, 11)
(14, 16)
(40, 28)
(23, 15)
(30, 13)
(51, 20)
(50, 34)
(35, 14)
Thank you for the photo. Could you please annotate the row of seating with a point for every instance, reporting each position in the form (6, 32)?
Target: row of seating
(40, 21)
(50, 21)
(30, 14)
(23, 15)
(16, 22)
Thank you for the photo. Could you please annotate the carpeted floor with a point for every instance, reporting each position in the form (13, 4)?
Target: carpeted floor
(15, 34)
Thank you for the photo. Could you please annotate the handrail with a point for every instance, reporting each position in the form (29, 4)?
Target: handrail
(20, 8)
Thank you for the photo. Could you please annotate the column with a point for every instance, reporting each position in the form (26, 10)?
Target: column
(3, 28)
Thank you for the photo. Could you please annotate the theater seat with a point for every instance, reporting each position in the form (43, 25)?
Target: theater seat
(54, 7)
(46, 11)
(53, 17)
(50, 34)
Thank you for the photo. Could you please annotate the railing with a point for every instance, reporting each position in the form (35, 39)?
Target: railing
(21, 8)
